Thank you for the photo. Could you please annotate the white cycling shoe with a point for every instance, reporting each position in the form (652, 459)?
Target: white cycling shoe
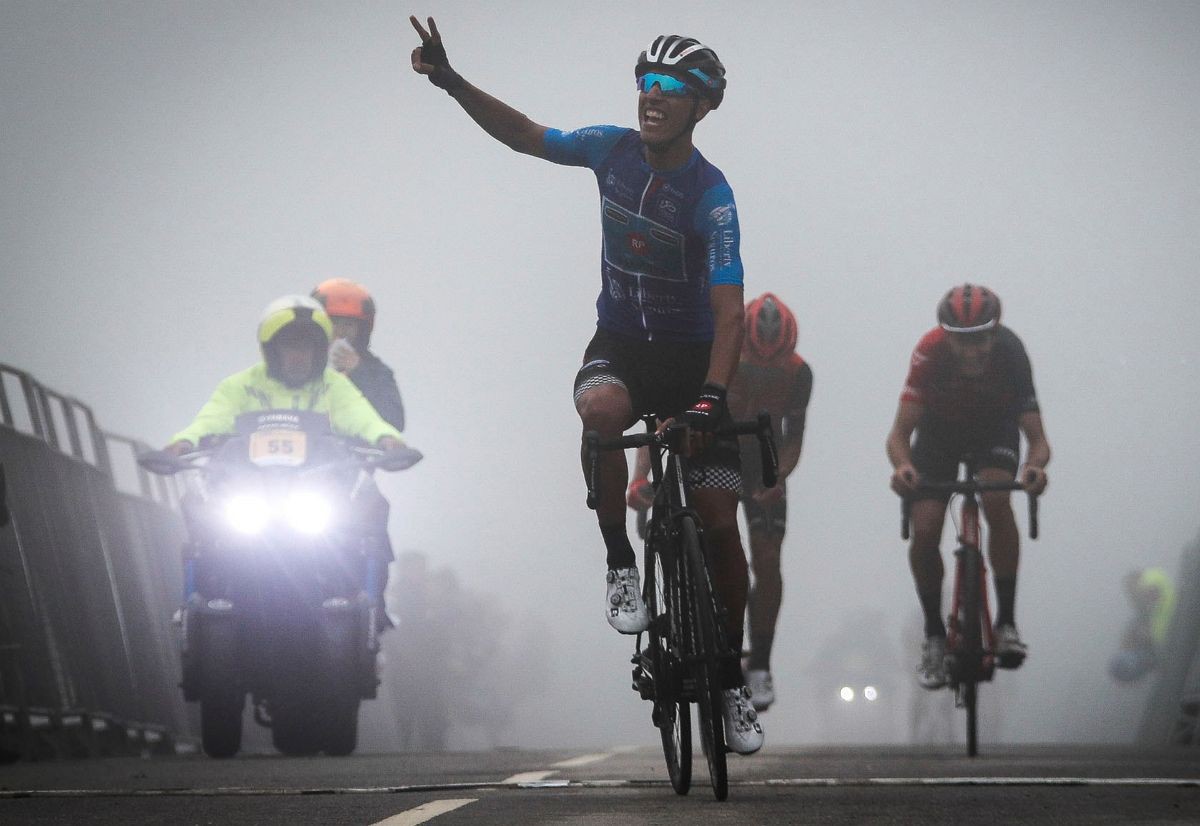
(743, 732)
(623, 604)
(762, 688)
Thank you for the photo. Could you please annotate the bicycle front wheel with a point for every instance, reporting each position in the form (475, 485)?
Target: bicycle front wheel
(670, 710)
(972, 642)
(708, 641)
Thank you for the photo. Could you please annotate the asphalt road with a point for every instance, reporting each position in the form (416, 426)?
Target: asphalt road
(1030, 784)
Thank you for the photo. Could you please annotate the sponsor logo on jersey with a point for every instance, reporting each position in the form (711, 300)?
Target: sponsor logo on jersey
(722, 215)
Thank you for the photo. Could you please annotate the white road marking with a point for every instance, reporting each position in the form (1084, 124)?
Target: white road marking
(1181, 782)
(424, 812)
(584, 760)
(976, 781)
(527, 777)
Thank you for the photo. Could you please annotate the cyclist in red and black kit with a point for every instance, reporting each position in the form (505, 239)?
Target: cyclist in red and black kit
(771, 376)
(969, 393)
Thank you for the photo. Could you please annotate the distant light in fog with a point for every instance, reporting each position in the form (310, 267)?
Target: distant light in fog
(847, 694)
(870, 694)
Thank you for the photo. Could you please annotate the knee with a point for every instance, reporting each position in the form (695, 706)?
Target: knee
(997, 508)
(764, 558)
(605, 409)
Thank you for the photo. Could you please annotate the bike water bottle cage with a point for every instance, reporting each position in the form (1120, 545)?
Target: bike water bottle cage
(669, 85)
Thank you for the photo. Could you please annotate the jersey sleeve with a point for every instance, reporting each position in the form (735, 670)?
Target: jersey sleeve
(920, 368)
(581, 147)
(717, 224)
(1022, 376)
(218, 414)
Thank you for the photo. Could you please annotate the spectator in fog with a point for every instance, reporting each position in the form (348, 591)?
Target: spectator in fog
(1153, 598)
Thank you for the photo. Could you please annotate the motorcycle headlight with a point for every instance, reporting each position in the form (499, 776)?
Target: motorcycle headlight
(247, 513)
(308, 512)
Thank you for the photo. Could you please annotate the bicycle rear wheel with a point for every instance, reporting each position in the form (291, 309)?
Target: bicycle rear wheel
(670, 710)
(972, 643)
(708, 641)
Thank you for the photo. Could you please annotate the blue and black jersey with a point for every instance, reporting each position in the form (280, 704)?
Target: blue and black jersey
(668, 236)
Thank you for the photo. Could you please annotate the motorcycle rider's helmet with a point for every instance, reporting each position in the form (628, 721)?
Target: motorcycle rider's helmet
(688, 59)
(969, 308)
(294, 319)
(343, 298)
(771, 329)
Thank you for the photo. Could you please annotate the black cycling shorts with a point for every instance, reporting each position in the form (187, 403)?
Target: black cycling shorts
(663, 378)
(940, 447)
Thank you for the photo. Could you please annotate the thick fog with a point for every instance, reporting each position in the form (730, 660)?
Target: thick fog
(167, 168)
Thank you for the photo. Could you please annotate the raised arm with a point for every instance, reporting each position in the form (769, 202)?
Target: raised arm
(498, 119)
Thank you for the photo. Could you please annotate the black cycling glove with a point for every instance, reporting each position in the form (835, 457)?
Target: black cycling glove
(443, 77)
(708, 410)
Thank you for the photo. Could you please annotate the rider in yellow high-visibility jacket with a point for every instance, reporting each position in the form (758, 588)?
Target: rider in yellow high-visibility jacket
(294, 334)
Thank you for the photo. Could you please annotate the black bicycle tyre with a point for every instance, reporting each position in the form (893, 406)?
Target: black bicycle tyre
(972, 643)
(671, 711)
(708, 641)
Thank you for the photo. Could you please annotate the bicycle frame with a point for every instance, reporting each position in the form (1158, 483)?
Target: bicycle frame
(970, 542)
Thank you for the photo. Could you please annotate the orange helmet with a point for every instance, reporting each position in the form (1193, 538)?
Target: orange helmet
(343, 298)
(771, 329)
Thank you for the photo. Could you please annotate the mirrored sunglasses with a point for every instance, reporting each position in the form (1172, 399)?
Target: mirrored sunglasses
(667, 84)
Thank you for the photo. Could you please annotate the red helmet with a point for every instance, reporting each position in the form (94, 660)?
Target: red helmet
(771, 329)
(342, 298)
(969, 309)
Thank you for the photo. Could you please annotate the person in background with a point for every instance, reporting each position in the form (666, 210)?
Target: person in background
(770, 376)
(1153, 598)
(969, 392)
(352, 311)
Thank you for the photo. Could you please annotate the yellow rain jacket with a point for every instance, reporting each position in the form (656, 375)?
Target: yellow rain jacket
(350, 414)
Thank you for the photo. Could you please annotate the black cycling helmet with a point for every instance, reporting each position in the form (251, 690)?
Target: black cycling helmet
(689, 59)
(969, 309)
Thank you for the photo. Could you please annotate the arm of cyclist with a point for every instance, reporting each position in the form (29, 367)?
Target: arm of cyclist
(791, 427)
(498, 119)
(729, 318)
(899, 448)
(1033, 473)
(640, 495)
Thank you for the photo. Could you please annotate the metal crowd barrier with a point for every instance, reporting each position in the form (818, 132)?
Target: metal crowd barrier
(89, 578)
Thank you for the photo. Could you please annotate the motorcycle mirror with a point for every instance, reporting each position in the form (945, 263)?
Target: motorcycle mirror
(399, 459)
(160, 462)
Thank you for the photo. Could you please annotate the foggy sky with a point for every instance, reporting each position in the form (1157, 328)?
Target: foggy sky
(168, 168)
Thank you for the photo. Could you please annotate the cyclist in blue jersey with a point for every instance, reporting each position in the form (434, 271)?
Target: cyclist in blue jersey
(670, 310)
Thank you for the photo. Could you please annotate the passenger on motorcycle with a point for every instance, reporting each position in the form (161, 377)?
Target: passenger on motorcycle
(352, 311)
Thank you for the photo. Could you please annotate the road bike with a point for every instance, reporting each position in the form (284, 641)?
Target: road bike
(686, 646)
(970, 644)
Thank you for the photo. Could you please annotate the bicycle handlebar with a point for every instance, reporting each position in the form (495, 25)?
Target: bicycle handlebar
(967, 487)
(674, 439)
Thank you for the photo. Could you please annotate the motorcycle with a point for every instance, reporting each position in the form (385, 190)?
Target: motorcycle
(280, 574)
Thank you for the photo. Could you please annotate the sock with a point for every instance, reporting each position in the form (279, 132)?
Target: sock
(620, 552)
(1006, 600)
(931, 604)
(760, 652)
